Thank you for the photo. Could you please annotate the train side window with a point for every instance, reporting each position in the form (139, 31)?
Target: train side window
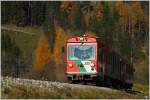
(112, 62)
(101, 55)
(116, 62)
(115, 59)
(110, 59)
(107, 57)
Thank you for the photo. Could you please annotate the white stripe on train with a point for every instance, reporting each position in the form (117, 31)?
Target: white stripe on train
(88, 67)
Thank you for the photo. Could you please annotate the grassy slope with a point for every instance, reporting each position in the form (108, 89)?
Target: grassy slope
(25, 42)
(142, 71)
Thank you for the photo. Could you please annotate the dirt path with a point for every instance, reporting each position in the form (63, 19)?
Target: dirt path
(16, 29)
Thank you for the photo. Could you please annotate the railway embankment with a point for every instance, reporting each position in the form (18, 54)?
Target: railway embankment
(28, 88)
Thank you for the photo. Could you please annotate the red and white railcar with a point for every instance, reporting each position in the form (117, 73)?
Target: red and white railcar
(82, 59)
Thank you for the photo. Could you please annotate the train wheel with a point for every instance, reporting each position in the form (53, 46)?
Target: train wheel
(119, 86)
(70, 81)
(114, 84)
(97, 81)
(85, 82)
(75, 81)
(108, 82)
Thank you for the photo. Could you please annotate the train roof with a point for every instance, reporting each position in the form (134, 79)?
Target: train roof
(114, 51)
(84, 38)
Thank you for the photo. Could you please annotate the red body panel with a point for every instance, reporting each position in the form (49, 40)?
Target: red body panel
(72, 69)
(77, 39)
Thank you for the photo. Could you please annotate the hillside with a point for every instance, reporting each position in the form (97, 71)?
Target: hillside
(27, 41)
(25, 88)
(19, 52)
(14, 88)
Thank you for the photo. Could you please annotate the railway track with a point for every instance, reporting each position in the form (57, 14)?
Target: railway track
(131, 91)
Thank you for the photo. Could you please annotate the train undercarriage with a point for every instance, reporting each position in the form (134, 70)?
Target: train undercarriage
(96, 80)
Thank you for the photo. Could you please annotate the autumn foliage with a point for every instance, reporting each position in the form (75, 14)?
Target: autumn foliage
(42, 54)
(59, 43)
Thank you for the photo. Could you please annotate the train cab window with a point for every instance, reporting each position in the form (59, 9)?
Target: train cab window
(82, 52)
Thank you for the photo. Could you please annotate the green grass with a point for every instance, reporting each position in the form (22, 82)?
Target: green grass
(25, 42)
(142, 87)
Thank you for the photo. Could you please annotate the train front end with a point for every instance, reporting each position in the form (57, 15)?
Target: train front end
(81, 58)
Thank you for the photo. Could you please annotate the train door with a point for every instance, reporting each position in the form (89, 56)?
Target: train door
(129, 73)
(123, 71)
(120, 65)
(101, 62)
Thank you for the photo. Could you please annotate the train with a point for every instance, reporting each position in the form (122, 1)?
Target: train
(89, 59)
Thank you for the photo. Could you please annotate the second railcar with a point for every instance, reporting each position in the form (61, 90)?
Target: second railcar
(115, 70)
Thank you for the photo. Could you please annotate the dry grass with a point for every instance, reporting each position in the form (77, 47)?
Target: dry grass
(142, 71)
(67, 92)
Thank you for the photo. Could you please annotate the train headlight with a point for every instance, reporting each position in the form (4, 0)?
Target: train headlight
(81, 38)
(92, 65)
(70, 65)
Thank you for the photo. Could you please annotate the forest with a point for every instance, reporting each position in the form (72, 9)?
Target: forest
(122, 25)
